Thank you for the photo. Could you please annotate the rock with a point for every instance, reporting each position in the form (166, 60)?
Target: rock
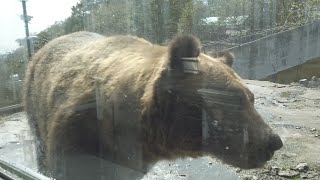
(289, 154)
(317, 135)
(306, 176)
(302, 167)
(274, 170)
(303, 82)
(288, 173)
(297, 127)
(250, 177)
(246, 177)
(275, 102)
(313, 173)
(318, 82)
(313, 129)
(294, 84)
(283, 100)
(265, 171)
(238, 170)
(315, 81)
(310, 176)
(280, 85)
(312, 82)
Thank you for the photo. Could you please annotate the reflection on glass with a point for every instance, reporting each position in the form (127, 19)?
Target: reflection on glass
(158, 89)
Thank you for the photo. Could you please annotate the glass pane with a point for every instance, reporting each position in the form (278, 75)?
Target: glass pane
(160, 89)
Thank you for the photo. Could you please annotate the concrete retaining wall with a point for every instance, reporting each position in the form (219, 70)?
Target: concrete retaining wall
(269, 55)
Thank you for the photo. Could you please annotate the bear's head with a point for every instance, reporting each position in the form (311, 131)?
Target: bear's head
(200, 106)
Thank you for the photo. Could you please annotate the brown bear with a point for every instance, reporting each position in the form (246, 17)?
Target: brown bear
(225, 56)
(130, 102)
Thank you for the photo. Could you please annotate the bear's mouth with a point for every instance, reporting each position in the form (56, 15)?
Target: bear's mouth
(244, 155)
(258, 160)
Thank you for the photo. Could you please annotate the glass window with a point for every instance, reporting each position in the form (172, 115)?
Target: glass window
(160, 89)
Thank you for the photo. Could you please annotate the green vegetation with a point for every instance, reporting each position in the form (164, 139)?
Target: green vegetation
(159, 20)
(296, 11)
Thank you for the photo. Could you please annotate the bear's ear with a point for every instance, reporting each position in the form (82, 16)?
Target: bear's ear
(224, 56)
(183, 54)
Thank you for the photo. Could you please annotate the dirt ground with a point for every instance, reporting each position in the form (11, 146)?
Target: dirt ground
(292, 111)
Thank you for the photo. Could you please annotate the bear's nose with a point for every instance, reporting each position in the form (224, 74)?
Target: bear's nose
(275, 142)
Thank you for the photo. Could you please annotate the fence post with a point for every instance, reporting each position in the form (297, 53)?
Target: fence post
(14, 89)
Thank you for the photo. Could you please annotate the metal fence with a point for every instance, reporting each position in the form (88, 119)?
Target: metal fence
(10, 93)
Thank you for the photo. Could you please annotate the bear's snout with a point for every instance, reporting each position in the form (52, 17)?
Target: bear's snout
(275, 142)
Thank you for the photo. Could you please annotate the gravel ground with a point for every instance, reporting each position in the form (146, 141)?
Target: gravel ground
(294, 113)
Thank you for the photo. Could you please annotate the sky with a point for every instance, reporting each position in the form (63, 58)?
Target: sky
(44, 12)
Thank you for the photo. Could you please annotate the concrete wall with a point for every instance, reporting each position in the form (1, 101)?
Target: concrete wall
(269, 55)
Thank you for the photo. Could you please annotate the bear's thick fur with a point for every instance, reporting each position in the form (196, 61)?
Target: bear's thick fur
(124, 99)
(225, 56)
